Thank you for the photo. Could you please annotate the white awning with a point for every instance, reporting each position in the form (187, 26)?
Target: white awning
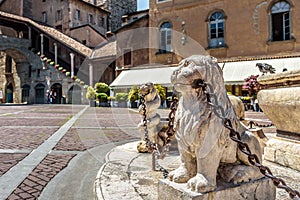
(235, 73)
(138, 76)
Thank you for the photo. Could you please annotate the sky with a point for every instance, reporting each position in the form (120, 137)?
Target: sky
(142, 4)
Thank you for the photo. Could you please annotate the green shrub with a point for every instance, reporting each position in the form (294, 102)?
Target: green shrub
(111, 98)
(101, 97)
(133, 93)
(90, 94)
(121, 96)
(161, 91)
(101, 87)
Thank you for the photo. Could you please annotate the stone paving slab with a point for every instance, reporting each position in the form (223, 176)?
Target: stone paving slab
(127, 175)
(32, 121)
(80, 139)
(8, 160)
(12, 178)
(24, 138)
(34, 183)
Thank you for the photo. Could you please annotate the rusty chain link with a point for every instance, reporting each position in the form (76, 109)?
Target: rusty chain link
(236, 137)
(251, 123)
(153, 147)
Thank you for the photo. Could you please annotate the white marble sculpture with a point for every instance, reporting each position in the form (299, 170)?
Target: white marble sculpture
(206, 150)
(153, 102)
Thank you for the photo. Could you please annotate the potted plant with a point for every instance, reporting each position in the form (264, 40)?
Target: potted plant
(101, 93)
(91, 95)
(133, 96)
(162, 92)
(121, 99)
(111, 100)
(102, 98)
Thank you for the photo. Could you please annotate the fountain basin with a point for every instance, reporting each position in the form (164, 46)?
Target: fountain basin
(279, 99)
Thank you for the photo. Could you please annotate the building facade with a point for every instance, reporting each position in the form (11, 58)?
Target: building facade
(36, 58)
(226, 29)
(82, 20)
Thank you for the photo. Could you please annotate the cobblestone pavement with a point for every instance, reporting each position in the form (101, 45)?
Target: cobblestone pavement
(26, 128)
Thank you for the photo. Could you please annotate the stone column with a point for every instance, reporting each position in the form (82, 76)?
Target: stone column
(72, 64)
(55, 53)
(29, 36)
(91, 74)
(42, 44)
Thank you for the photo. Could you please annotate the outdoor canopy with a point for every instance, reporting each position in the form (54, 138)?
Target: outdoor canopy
(234, 73)
(138, 76)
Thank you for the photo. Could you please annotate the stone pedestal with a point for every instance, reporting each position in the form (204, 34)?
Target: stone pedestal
(262, 189)
(284, 152)
(280, 101)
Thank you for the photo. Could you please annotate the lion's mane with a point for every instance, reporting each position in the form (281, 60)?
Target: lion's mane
(193, 109)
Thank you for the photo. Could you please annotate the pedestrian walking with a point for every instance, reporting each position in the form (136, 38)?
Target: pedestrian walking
(52, 96)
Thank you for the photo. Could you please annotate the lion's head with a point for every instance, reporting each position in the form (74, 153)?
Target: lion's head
(148, 90)
(198, 69)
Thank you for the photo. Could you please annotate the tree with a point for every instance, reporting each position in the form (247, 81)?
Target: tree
(251, 85)
(133, 93)
(161, 91)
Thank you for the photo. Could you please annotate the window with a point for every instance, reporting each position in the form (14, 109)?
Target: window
(127, 56)
(77, 14)
(90, 19)
(160, 1)
(29, 71)
(216, 30)
(59, 15)
(101, 21)
(280, 17)
(165, 33)
(44, 17)
(8, 64)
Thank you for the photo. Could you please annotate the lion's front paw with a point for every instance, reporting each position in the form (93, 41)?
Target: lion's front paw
(179, 175)
(239, 173)
(200, 184)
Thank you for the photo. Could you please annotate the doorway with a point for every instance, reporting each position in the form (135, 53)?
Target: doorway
(57, 89)
(74, 95)
(9, 94)
(40, 96)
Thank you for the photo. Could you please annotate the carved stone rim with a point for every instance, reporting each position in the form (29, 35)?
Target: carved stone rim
(280, 80)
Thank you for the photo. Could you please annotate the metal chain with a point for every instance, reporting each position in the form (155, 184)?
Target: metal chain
(156, 154)
(251, 123)
(236, 137)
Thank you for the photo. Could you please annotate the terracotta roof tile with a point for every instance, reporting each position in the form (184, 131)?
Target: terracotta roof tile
(109, 49)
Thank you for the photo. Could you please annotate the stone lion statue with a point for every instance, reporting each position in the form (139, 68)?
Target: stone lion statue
(153, 102)
(207, 153)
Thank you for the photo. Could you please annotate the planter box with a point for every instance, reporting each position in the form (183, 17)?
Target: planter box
(92, 103)
(122, 104)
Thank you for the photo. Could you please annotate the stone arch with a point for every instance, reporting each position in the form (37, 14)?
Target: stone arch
(74, 94)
